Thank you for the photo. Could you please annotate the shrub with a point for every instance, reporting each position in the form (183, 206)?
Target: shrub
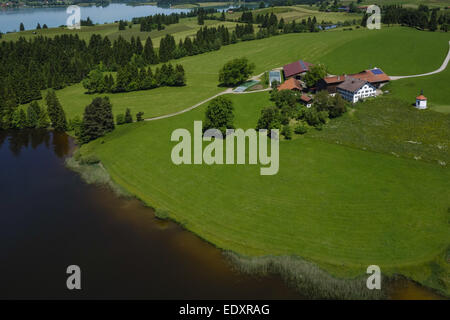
(235, 72)
(270, 118)
(139, 116)
(162, 214)
(300, 128)
(219, 115)
(287, 132)
(120, 119)
(128, 117)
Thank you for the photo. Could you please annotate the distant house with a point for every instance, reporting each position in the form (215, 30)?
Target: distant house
(291, 84)
(353, 89)
(296, 69)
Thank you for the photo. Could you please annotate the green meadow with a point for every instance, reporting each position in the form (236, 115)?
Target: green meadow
(394, 49)
(340, 207)
(435, 88)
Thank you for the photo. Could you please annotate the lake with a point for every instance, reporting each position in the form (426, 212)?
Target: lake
(50, 219)
(10, 19)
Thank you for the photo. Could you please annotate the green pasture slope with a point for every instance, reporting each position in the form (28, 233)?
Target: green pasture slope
(396, 50)
(336, 206)
(435, 88)
(340, 207)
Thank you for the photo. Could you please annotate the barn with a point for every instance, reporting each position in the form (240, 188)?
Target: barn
(296, 69)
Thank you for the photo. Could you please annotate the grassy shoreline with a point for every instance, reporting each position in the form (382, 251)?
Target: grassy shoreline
(338, 206)
(304, 276)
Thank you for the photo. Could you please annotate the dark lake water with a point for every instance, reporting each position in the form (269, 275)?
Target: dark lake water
(10, 19)
(50, 219)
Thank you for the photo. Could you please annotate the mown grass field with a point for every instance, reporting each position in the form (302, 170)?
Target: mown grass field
(337, 206)
(342, 51)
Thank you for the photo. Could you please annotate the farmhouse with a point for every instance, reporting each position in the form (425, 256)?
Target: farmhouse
(353, 89)
(375, 77)
(296, 69)
(330, 83)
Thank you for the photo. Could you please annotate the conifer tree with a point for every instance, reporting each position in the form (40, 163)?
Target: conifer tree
(55, 112)
(43, 121)
(98, 120)
(128, 117)
(149, 53)
(33, 112)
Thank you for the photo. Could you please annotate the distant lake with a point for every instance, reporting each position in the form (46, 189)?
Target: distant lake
(10, 19)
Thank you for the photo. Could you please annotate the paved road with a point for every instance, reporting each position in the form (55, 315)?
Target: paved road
(442, 68)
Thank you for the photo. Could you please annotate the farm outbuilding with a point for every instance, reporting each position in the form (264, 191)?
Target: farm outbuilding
(274, 75)
(296, 69)
(421, 101)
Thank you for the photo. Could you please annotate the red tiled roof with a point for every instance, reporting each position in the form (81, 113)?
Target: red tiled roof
(334, 79)
(305, 98)
(421, 97)
(369, 75)
(296, 68)
(290, 84)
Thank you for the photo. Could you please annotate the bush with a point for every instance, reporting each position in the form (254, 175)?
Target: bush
(139, 116)
(128, 117)
(300, 128)
(162, 214)
(235, 72)
(287, 132)
(270, 118)
(219, 115)
(323, 116)
(120, 119)
(89, 159)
